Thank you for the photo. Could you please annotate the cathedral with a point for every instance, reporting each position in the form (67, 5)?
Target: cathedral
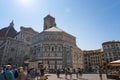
(52, 47)
(15, 46)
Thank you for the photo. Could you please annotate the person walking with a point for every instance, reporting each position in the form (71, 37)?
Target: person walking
(100, 73)
(66, 72)
(42, 71)
(70, 72)
(1, 73)
(1, 69)
(22, 75)
(79, 73)
(58, 73)
(15, 72)
(33, 74)
(7, 74)
(76, 72)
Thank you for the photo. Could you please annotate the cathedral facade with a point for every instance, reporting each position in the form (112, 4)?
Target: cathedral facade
(15, 46)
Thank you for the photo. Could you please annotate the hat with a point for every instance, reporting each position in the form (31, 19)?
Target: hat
(20, 67)
(8, 65)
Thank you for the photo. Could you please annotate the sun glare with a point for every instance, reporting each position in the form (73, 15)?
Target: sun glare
(27, 2)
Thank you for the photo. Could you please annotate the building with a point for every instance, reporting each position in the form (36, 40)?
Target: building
(13, 52)
(111, 50)
(5, 35)
(25, 36)
(53, 47)
(8, 31)
(77, 58)
(15, 46)
(93, 59)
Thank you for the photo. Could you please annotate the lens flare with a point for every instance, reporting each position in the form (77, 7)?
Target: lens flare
(27, 2)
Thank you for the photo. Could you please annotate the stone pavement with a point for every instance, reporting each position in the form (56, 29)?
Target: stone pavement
(84, 77)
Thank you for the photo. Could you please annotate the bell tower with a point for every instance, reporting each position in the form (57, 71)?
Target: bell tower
(49, 22)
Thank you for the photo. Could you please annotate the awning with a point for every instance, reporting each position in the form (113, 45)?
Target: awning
(114, 63)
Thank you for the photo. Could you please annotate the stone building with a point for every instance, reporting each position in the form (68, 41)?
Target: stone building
(8, 31)
(15, 46)
(53, 47)
(13, 52)
(25, 36)
(111, 50)
(6, 34)
(77, 58)
(93, 59)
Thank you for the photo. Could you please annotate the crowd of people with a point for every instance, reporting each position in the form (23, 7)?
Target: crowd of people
(9, 72)
(69, 71)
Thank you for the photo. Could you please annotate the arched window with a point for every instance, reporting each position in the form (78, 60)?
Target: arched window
(52, 48)
(12, 49)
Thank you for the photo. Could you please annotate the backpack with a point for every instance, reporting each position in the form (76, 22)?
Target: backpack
(15, 72)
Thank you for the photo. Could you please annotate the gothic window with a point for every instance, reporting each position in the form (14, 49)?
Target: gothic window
(110, 59)
(55, 54)
(108, 46)
(39, 49)
(59, 48)
(116, 44)
(45, 54)
(43, 48)
(52, 48)
(28, 39)
(12, 49)
(118, 53)
(55, 48)
(10, 61)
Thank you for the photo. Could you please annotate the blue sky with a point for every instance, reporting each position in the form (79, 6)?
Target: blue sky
(92, 22)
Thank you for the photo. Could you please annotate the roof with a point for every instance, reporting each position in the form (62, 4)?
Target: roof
(28, 29)
(8, 31)
(49, 16)
(110, 42)
(54, 29)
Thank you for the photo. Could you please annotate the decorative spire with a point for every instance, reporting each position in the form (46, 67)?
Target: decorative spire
(11, 24)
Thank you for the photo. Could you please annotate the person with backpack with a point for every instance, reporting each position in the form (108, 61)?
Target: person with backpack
(15, 72)
(33, 74)
(7, 74)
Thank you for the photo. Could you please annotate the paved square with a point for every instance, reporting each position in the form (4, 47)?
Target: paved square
(84, 77)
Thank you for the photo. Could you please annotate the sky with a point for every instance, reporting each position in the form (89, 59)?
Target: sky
(92, 22)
